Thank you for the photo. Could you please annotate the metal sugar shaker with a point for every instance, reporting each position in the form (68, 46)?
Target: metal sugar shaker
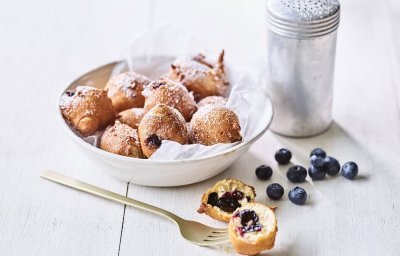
(301, 45)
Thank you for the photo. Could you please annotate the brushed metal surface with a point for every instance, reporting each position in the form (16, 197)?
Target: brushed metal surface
(301, 52)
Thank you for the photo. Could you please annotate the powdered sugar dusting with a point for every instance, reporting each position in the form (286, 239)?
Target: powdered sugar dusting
(213, 124)
(127, 83)
(171, 93)
(72, 98)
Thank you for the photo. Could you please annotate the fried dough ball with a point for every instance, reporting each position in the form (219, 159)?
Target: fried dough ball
(211, 100)
(221, 200)
(121, 139)
(161, 123)
(125, 90)
(199, 76)
(171, 93)
(253, 228)
(214, 124)
(131, 117)
(88, 109)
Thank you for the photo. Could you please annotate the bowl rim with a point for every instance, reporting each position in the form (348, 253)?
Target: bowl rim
(107, 154)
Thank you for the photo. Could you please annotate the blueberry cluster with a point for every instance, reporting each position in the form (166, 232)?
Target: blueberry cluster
(321, 165)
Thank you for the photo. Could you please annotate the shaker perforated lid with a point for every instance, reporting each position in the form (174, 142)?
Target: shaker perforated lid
(303, 18)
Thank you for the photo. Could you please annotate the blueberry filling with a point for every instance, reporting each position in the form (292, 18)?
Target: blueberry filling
(70, 93)
(228, 202)
(153, 141)
(249, 220)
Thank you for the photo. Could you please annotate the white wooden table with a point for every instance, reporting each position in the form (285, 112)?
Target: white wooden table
(46, 44)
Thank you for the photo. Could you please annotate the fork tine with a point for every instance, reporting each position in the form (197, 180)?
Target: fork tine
(214, 242)
(217, 235)
(220, 230)
(216, 238)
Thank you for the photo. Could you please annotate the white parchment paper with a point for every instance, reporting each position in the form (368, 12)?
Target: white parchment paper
(152, 53)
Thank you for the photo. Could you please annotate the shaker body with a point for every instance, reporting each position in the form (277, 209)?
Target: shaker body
(300, 83)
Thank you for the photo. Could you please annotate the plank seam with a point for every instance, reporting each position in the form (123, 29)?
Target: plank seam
(123, 220)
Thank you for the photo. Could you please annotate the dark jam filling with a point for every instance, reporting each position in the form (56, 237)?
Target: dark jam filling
(153, 141)
(70, 93)
(228, 202)
(249, 220)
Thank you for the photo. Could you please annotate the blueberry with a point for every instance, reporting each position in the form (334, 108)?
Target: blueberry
(331, 165)
(316, 173)
(296, 173)
(237, 194)
(228, 204)
(248, 216)
(318, 152)
(153, 141)
(297, 196)
(317, 161)
(263, 172)
(283, 156)
(275, 191)
(212, 199)
(350, 170)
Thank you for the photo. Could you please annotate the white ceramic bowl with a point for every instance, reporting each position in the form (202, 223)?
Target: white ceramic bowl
(160, 172)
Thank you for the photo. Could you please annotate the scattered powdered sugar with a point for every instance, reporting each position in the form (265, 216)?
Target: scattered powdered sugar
(211, 119)
(126, 83)
(72, 98)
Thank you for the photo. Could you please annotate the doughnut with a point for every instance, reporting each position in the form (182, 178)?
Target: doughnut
(171, 93)
(125, 90)
(220, 201)
(87, 109)
(161, 123)
(199, 76)
(252, 229)
(214, 124)
(131, 117)
(121, 139)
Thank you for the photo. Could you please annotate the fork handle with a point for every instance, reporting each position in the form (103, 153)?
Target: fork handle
(88, 188)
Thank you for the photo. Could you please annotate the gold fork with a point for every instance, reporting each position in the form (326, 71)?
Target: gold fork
(192, 231)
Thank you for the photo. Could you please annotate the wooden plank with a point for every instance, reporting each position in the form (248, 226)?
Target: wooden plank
(43, 46)
(341, 217)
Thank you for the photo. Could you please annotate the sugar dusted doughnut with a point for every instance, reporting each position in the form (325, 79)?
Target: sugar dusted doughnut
(161, 123)
(131, 117)
(171, 93)
(88, 109)
(212, 100)
(121, 139)
(199, 76)
(252, 229)
(220, 201)
(214, 124)
(125, 90)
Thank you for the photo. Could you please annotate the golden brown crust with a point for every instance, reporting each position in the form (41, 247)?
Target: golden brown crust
(170, 93)
(200, 76)
(262, 241)
(214, 124)
(87, 109)
(212, 100)
(161, 123)
(222, 186)
(131, 117)
(121, 139)
(125, 90)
